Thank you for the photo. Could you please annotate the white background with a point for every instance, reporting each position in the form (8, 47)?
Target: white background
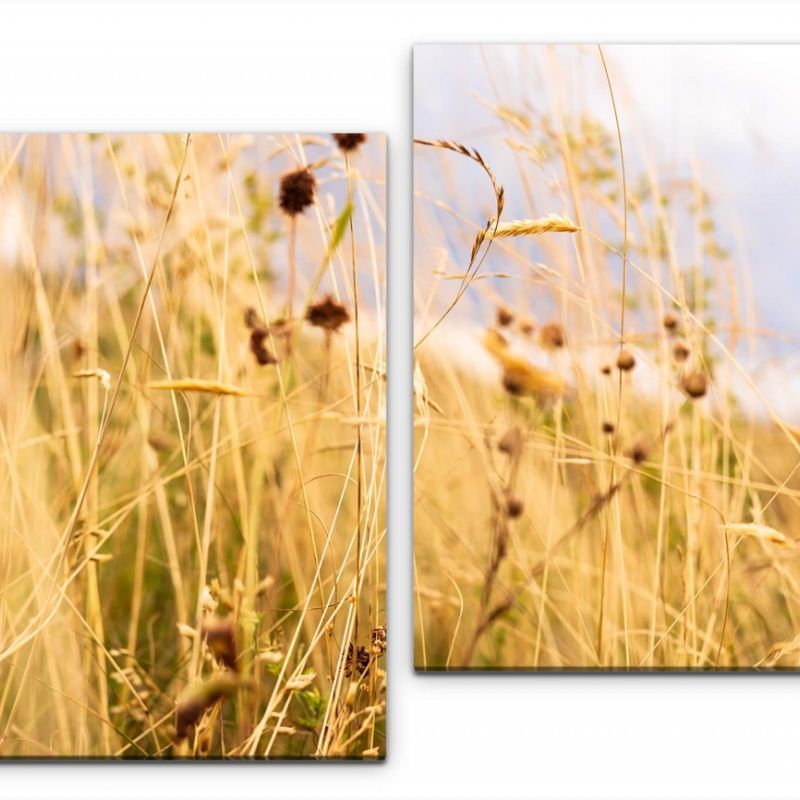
(347, 65)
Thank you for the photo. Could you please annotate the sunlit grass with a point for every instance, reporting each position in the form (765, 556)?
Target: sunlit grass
(193, 472)
(600, 481)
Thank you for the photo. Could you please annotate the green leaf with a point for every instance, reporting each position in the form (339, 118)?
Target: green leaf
(339, 227)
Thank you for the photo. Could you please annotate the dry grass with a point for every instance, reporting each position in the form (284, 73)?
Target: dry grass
(192, 537)
(592, 490)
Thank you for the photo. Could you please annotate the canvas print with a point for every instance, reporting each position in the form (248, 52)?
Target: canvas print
(606, 395)
(193, 373)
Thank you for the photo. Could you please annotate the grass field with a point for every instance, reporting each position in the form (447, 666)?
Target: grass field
(602, 479)
(193, 446)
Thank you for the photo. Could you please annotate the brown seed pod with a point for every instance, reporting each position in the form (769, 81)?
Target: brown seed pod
(297, 191)
(514, 505)
(625, 360)
(347, 142)
(526, 327)
(259, 348)
(670, 322)
(551, 336)
(327, 314)
(638, 451)
(512, 384)
(680, 351)
(694, 384)
(608, 427)
(605, 369)
(504, 316)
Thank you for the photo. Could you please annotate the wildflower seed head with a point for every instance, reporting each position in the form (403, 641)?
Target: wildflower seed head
(605, 369)
(670, 322)
(680, 351)
(297, 191)
(625, 360)
(638, 451)
(513, 384)
(608, 427)
(348, 142)
(327, 314)
(504, 316)
(694, 384)
(527, 327)
(259, 348)
(551, 336)
(514, 505)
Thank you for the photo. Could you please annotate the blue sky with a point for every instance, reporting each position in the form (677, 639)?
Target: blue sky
(728, 113)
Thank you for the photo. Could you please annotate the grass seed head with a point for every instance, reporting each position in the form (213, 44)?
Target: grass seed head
(608, 427)
(553, 223)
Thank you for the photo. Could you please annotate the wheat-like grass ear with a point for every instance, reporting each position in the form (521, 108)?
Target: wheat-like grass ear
(485, 234)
